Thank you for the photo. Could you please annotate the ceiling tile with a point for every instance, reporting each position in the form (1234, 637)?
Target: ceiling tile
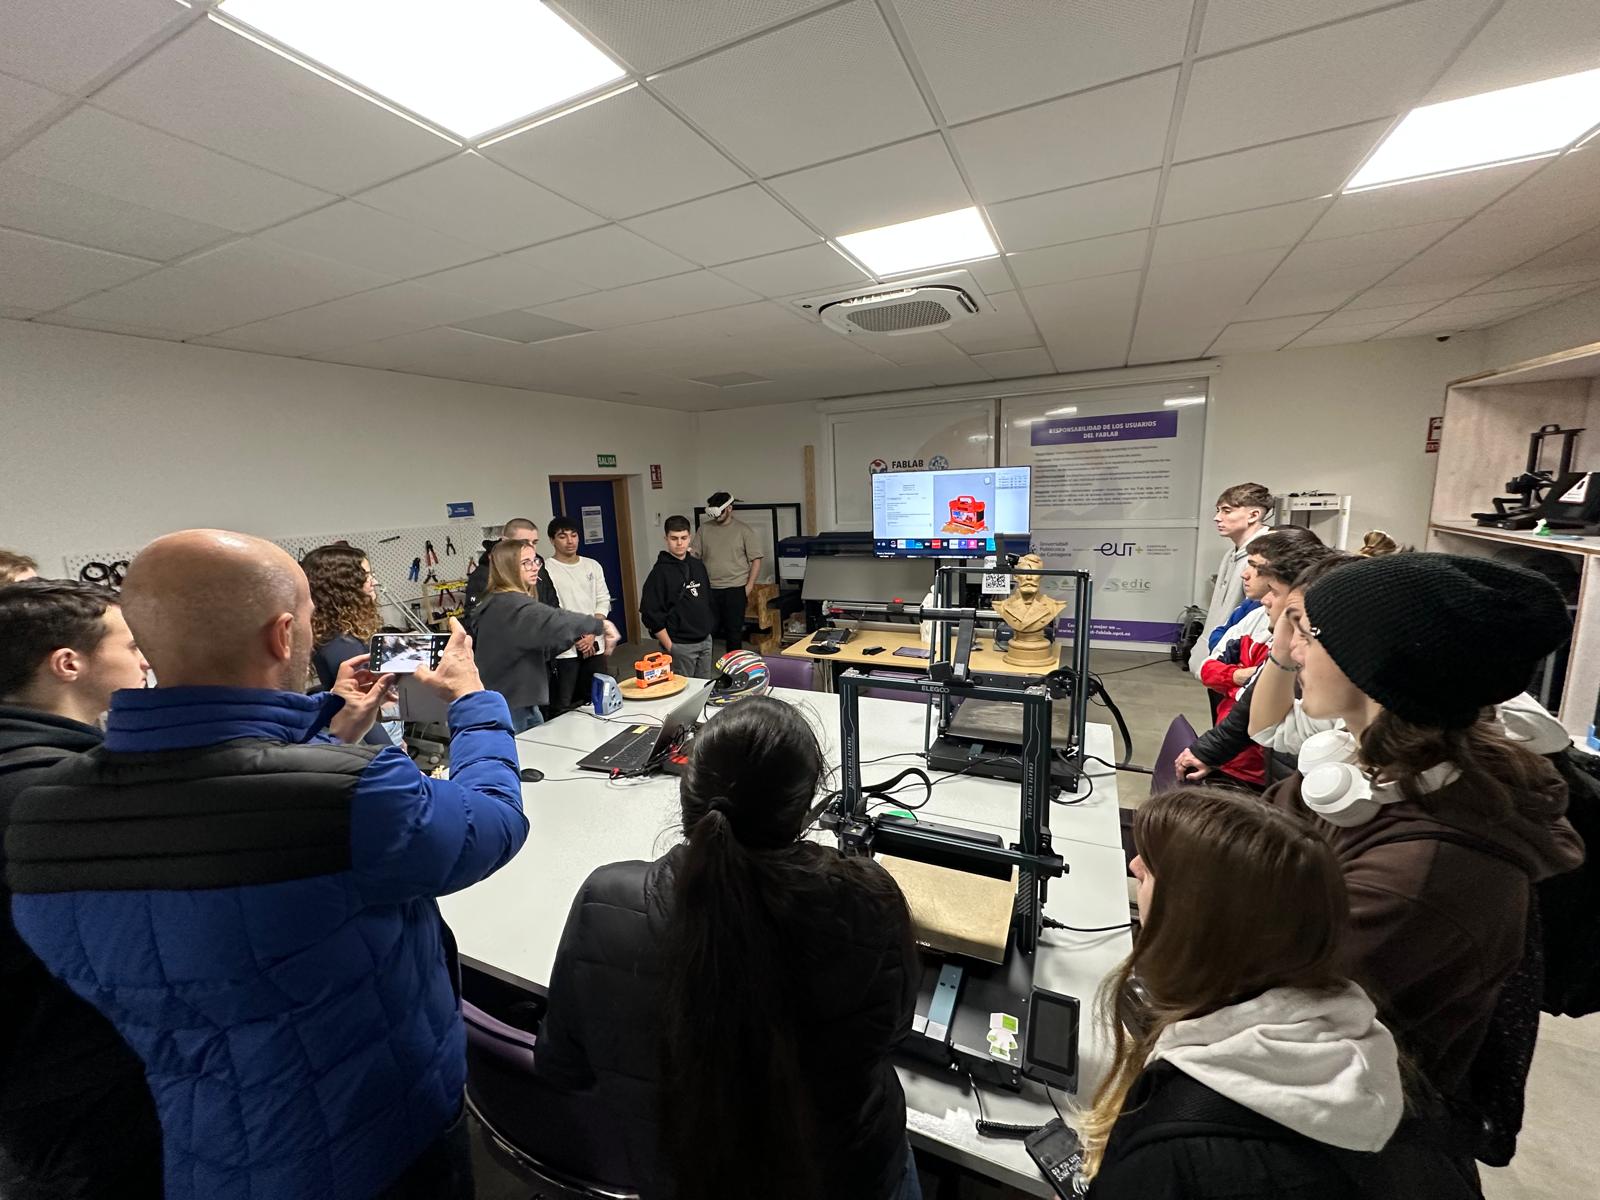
(623, 156)
(1492, 301)
(102, 153)
(611, 257)
(1248, 337)
(650, 36)
(518, 326)
(68, 320)
(882, 187)
(1232, 23)
(1376, 314)
(1526, 40)
(1381, 245)
(743, 223)
(211, 86)
(1486, 245)
(43, 206)
(1072, 214)
(21, 104)
(1374, 66)
(351, 232)
(380, 313)
(1186, 304)
(41, 274)
(244, 281)
(989, 273)
(698, 291)
(1005, 325)
(508, 281)
(1022, 51)
(1581, 271)
(1294, 170)
(64, 44)
(1015, 364)
(1339, 335)
(479, 202)
(1413, 293)
(845, 65)
(1086, 323)
(1289, 293)
(444, 352)
(1258, 229)
(1420, 201)
(16, 314)
(793, 272)
(1110, 131)
(1081, 260)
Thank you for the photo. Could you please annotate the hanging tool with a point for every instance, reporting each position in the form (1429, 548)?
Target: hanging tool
(449, 545)
(427, 552)
(416, 570)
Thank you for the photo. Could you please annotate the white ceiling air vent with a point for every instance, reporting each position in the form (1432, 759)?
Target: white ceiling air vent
(909, 306)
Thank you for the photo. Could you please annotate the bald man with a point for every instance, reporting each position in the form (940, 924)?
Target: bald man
(251, 903)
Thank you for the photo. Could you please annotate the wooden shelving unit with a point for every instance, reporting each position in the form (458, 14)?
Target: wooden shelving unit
(1487, 420)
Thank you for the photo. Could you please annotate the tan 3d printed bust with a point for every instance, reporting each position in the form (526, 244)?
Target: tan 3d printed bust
(1029, 611)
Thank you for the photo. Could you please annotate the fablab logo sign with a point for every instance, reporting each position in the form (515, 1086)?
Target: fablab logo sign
(938, 463)
(1116, 549)
(878, 466)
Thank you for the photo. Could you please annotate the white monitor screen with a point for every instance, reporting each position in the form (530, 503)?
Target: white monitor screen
(949, 514)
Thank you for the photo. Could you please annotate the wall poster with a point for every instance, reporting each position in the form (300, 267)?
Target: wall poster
(1116, 492)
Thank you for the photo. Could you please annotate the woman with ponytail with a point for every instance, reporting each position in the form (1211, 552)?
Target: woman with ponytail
(1245, 1064)
(728, 1010)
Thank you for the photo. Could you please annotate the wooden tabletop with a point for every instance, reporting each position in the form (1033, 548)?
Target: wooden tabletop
(984, 657)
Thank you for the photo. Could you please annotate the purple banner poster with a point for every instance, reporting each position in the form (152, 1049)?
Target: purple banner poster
(1123, 427)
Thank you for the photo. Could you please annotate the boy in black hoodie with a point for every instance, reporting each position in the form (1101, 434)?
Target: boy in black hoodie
(76, 1118)
(676, 605)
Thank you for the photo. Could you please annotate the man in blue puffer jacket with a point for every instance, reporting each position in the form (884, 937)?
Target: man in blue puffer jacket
(251, 903)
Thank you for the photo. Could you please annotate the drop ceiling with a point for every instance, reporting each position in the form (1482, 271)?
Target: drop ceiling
(1161, 176)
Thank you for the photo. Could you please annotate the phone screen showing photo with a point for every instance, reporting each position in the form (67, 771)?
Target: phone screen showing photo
(403, 653)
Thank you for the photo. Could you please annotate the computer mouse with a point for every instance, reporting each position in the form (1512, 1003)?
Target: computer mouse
(530, 775)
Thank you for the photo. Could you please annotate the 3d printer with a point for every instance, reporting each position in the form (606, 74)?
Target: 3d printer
(972, 991)
(1531, 489)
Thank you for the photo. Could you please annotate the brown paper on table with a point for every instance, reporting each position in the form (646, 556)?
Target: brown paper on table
(956, 912)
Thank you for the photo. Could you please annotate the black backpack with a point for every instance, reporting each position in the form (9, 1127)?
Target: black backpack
(1570, 904)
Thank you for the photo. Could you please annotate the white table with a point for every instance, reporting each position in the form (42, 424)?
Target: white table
(511, 923)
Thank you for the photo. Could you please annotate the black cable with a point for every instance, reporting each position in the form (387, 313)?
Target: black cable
(988, 1128)
(1140, 667)
(1053, 1104)
(1136, 769)
(1052, 923)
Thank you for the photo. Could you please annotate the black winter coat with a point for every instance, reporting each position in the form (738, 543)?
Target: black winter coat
(1179, 1140)
(849, 936)
(76, 1117)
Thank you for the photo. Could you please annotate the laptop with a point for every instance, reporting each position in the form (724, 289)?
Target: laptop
(641, 745)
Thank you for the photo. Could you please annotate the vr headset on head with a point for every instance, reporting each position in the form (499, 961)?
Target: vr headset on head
(716, 510)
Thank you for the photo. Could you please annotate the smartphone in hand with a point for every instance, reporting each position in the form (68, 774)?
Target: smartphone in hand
(403, 653)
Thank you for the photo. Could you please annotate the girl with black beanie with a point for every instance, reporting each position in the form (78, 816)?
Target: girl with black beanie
(1440, 822)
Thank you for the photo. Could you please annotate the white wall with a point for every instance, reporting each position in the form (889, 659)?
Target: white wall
(757, 453)
(111, 440)
(1347, 419)
(1574, 322)
(1339, 418)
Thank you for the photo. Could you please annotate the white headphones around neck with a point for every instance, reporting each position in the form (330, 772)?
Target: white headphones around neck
(1335, 788)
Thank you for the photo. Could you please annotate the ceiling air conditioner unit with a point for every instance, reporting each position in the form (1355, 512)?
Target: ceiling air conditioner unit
(909, 306)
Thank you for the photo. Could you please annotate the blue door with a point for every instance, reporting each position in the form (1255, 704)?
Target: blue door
(593, 505)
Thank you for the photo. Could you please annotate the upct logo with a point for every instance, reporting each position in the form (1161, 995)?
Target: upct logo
(1115, 549)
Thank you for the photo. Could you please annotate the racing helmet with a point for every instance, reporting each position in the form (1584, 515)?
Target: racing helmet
(739, 674)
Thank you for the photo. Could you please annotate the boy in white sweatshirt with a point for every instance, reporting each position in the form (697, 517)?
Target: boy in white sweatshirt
(581, 586)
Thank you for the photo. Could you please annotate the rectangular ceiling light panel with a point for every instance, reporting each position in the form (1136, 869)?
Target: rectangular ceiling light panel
(938, 241)
(1529, 121)
(469, 66)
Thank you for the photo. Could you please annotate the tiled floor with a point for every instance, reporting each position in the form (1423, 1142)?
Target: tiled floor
(1559, 1153)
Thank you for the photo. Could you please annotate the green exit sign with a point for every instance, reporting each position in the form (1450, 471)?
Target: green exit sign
(605, 460)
